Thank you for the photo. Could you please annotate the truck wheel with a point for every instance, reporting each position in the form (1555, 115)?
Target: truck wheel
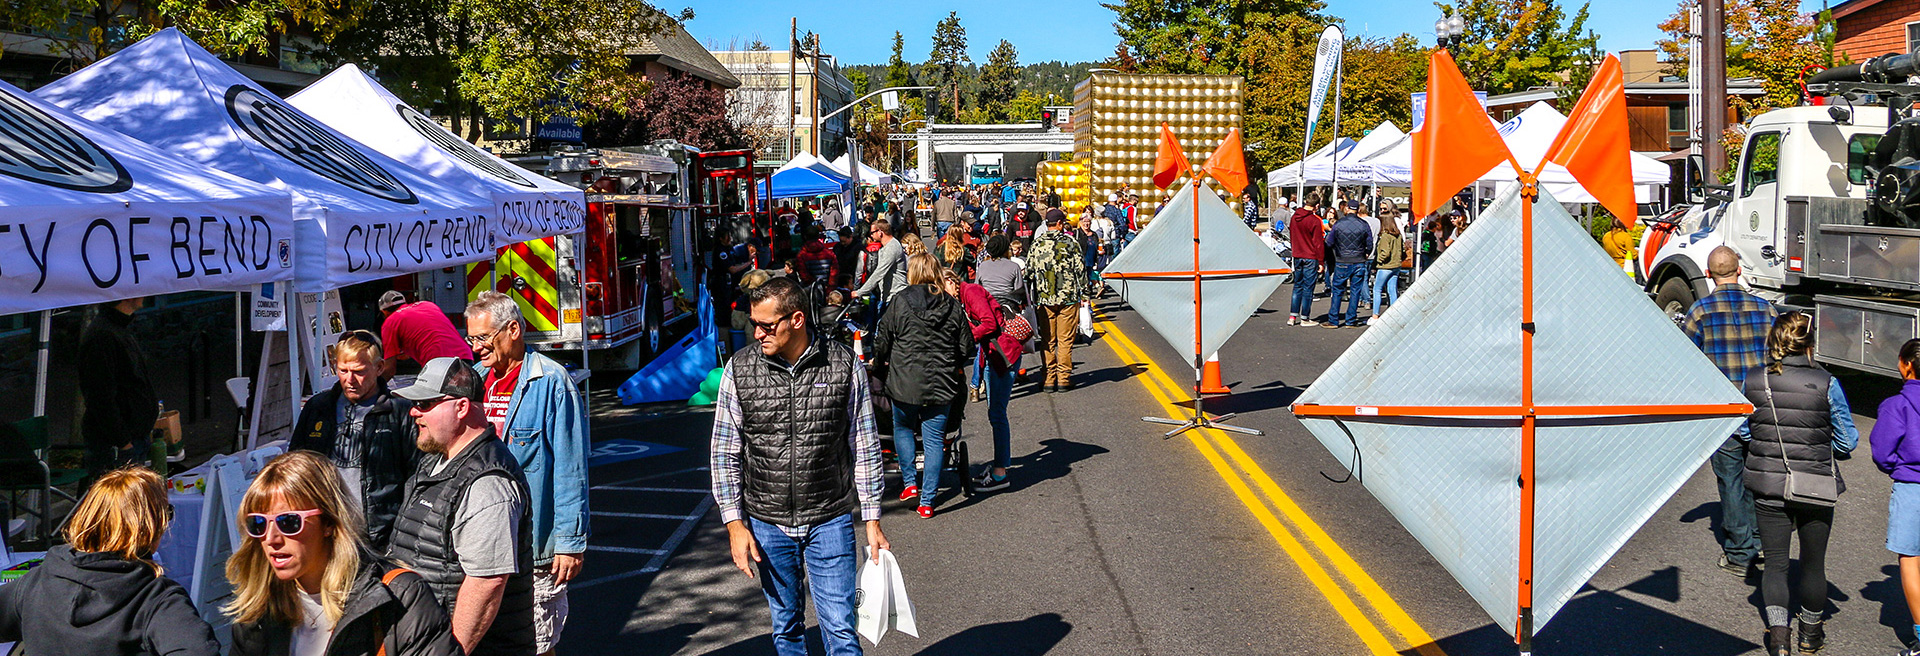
(1674, 298)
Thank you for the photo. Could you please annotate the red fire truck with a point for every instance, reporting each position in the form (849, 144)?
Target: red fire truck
(625, 287)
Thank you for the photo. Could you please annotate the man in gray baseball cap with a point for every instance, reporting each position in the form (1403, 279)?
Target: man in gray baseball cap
(464, 525)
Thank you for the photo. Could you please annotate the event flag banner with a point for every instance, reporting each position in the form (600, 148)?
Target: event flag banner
(93, 215)
(1451, 484)
(526, 206)
(359, 215)
(1326, 64)
(1239, 268)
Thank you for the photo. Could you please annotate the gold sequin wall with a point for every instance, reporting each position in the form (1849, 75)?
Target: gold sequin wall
(1116, 120)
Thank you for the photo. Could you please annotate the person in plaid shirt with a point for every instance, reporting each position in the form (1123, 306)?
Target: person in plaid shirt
(794, 455)
(1730, 326)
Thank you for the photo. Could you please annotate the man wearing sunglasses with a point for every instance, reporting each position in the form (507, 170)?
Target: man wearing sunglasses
(794, 454)
(533, 405)
(465, 525)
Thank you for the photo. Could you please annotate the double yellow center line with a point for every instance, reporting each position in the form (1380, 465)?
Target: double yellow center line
(1243, 476)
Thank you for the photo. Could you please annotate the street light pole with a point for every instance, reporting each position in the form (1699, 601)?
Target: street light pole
(793, 44)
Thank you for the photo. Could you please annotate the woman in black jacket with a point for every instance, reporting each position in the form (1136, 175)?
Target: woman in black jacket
(1801, 424)
(101, 593)
(920, 346)
(304, 583)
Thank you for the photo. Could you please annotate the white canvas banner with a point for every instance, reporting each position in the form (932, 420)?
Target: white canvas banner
(1326, 63)
(269, 308)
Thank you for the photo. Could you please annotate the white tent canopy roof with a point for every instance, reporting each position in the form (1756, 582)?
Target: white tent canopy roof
(868, 174)
(526, 206)
(1290, 174)
(101, 216)
(1321, 170)
(359, 215)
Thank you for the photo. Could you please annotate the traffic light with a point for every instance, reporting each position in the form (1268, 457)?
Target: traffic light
(1046, 118)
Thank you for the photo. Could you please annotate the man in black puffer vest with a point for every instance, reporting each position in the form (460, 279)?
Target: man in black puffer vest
(794, 453)
(464, 525)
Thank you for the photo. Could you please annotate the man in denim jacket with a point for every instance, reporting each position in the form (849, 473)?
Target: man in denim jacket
(535, 407)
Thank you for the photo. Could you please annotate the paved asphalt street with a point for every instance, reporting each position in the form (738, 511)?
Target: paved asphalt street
(1113, 540)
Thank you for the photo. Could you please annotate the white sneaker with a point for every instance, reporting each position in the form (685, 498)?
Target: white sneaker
(1293, 320)
(1309, 322)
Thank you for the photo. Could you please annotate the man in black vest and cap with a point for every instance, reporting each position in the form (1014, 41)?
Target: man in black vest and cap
(795, 453)
(464, 525)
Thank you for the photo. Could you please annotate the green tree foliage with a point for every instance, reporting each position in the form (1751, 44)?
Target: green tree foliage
(508, 58)
(945, 63)
(999, 81)
(1768, 39)
(861, 83)
(1196, 36)
(1027, 105)
(85, 31)
(899, 73)
(1380, 76)
(1515, 45)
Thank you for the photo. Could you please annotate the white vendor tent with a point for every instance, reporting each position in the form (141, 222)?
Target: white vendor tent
(868, 174)
(525, 206)
(1531, 132)
(358, 215)
(1289, 175)
(1320, 171)
(97, 216)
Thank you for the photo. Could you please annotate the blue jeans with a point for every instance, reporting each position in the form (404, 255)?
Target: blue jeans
(824, 563)
(1347, 278)
(979, 364)
(1739, 532)
(925, 427)
(999, 389)
(1305, 273)
(1387, 280)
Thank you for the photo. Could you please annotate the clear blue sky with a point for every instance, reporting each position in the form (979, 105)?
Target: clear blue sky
(861, 31)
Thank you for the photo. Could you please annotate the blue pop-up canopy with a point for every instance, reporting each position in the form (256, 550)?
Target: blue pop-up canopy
(800, 183)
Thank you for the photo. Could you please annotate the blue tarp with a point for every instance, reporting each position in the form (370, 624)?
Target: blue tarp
(803, 182)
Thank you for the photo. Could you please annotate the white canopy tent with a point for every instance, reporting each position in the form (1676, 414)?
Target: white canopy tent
(1320, 170)
(868, 174)
(1531, 132)
(359, 215)
(525, 206)
(1289, 175)
(104, 217)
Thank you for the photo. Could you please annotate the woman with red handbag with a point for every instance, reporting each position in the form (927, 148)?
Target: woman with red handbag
(1002, 348)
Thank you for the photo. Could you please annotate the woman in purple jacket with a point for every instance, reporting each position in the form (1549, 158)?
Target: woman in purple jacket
(1002, 353)
(1896, 450)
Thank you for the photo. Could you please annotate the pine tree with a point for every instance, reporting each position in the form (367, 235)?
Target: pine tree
(999, 80)
(948, 57)
(899, 74)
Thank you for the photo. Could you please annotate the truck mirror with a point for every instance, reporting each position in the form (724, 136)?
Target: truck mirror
(1692, 181)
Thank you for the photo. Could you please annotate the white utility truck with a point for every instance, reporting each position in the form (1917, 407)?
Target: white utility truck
(1824, 209)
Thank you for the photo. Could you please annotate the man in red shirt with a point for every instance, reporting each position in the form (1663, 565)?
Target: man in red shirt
(1308, 238)
(416, 331)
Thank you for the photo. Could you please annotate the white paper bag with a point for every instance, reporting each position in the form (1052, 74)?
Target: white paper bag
(871, 598)
(901, 618)
(1086, 320)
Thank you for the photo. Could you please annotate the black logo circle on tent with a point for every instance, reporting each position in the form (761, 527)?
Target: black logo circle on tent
(429, 128)
(294, 136)
(37, 147)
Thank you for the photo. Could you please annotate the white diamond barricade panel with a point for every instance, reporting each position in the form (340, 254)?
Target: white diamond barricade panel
(1166, 245)
(1454, 340)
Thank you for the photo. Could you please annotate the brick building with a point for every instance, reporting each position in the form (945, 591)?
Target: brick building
(1656, 102)
(1870, 28)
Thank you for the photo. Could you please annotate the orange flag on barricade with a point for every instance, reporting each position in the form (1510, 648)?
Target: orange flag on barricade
(1594, 145)
(1457, 143)
(1172, 161)
(1228, 164)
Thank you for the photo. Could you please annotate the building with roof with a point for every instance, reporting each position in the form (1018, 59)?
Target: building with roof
(1656, 102)
(760, 101)
(1870, 28)
(676, 50)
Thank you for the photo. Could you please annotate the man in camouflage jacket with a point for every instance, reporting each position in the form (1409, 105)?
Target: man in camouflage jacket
(1059, 283)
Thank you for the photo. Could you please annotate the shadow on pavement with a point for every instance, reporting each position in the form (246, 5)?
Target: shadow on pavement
(1893, 603)
(1029, 637)
(1055, 459)
(1662, 584)
(1245, 402)
(1602, 623)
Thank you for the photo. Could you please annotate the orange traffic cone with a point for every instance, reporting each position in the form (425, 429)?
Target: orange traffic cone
(1210, 377)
